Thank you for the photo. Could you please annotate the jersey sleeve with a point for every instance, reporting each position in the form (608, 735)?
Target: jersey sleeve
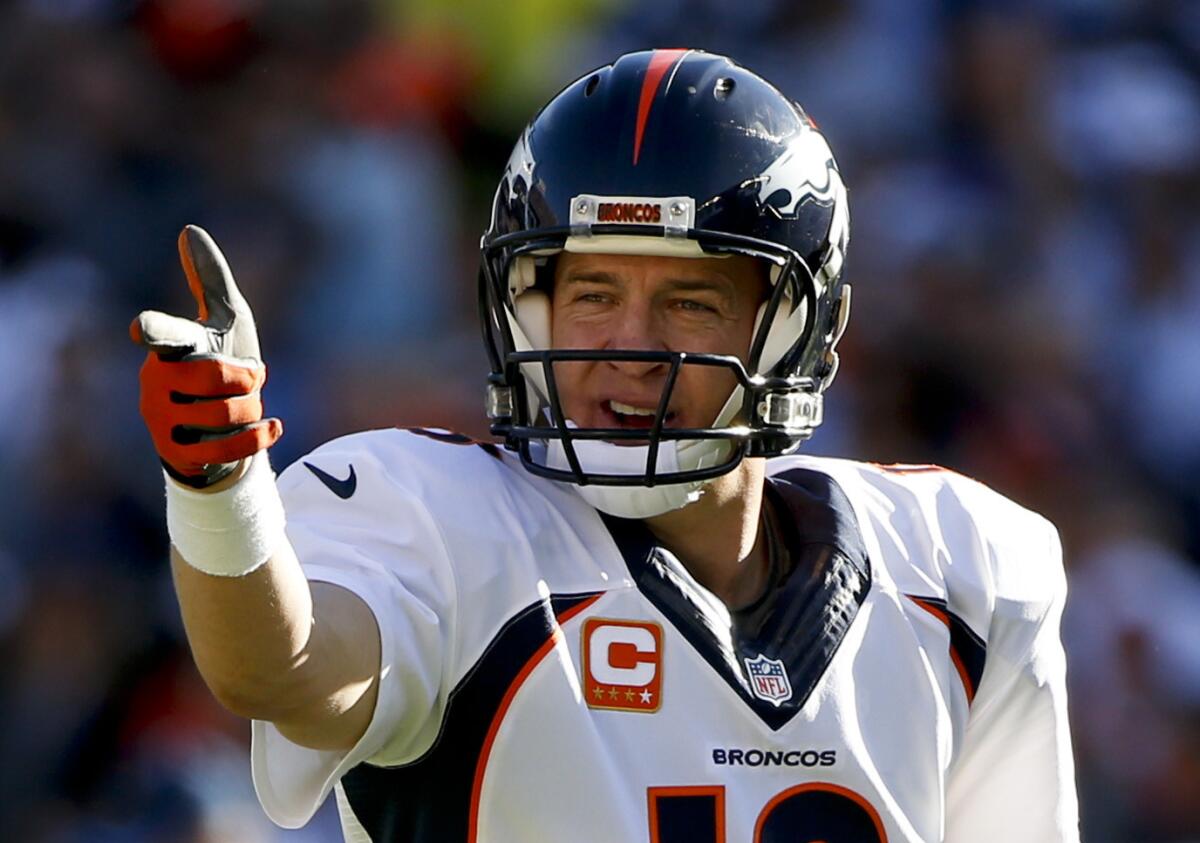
(380, 543)
(1014, 776)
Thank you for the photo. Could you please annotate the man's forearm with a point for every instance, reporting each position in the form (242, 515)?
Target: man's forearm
(261, 649)
(251, 636)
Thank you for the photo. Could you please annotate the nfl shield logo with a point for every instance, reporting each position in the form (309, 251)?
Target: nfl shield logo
(768, 679)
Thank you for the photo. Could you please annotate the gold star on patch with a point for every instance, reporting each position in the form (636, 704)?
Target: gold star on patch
(629, 695)
(612, 693)
(599, 692)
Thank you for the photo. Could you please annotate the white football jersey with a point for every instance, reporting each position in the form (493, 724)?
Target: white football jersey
(550, 673)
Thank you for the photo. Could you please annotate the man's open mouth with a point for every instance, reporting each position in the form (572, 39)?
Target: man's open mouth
(618, 414)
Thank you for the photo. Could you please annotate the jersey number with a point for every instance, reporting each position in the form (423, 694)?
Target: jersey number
(807, 813)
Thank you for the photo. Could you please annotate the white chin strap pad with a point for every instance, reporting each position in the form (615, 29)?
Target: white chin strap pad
(640, 501)
(597, 457)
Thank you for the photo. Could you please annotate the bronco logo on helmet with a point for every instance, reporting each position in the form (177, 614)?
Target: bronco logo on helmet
(804, 171)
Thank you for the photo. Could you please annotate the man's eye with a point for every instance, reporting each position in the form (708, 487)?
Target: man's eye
(694, 306)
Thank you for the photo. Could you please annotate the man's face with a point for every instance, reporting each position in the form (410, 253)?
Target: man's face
(636, 302)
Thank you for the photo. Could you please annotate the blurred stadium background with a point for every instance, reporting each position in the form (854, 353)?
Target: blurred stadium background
(1024, 178)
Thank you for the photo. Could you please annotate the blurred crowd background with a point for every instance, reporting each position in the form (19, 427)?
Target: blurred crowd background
(1024, 178)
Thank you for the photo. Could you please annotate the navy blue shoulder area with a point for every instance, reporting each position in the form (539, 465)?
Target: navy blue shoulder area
(774, 652)
(813, 509)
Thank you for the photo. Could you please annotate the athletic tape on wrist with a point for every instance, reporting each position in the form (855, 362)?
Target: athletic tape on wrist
(232, 532)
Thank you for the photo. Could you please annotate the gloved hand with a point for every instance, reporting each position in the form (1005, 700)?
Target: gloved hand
(201, 382)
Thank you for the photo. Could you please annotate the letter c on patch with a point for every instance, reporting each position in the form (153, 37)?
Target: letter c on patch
(622, 655)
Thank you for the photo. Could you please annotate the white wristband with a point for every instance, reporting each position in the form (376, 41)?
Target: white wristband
(231, 532)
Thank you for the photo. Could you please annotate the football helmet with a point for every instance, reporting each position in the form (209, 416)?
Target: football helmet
(678, 153)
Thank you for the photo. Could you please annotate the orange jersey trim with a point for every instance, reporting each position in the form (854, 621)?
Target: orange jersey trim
(955, 656)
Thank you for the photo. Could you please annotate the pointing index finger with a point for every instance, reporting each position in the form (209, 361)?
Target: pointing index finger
(209, 277)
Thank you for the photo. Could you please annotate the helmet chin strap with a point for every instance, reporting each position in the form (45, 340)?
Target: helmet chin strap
(640, 501)
(626, 501)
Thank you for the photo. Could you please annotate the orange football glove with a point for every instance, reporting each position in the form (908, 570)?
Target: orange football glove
(202, 380)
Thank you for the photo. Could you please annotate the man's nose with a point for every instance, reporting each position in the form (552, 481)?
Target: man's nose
(637, 330)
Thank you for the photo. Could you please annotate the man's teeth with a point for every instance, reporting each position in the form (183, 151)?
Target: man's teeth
(627, 410)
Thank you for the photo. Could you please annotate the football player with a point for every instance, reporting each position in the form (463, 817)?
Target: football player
(645, 618)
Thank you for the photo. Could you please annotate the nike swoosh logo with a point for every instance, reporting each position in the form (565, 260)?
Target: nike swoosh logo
(342, 488)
